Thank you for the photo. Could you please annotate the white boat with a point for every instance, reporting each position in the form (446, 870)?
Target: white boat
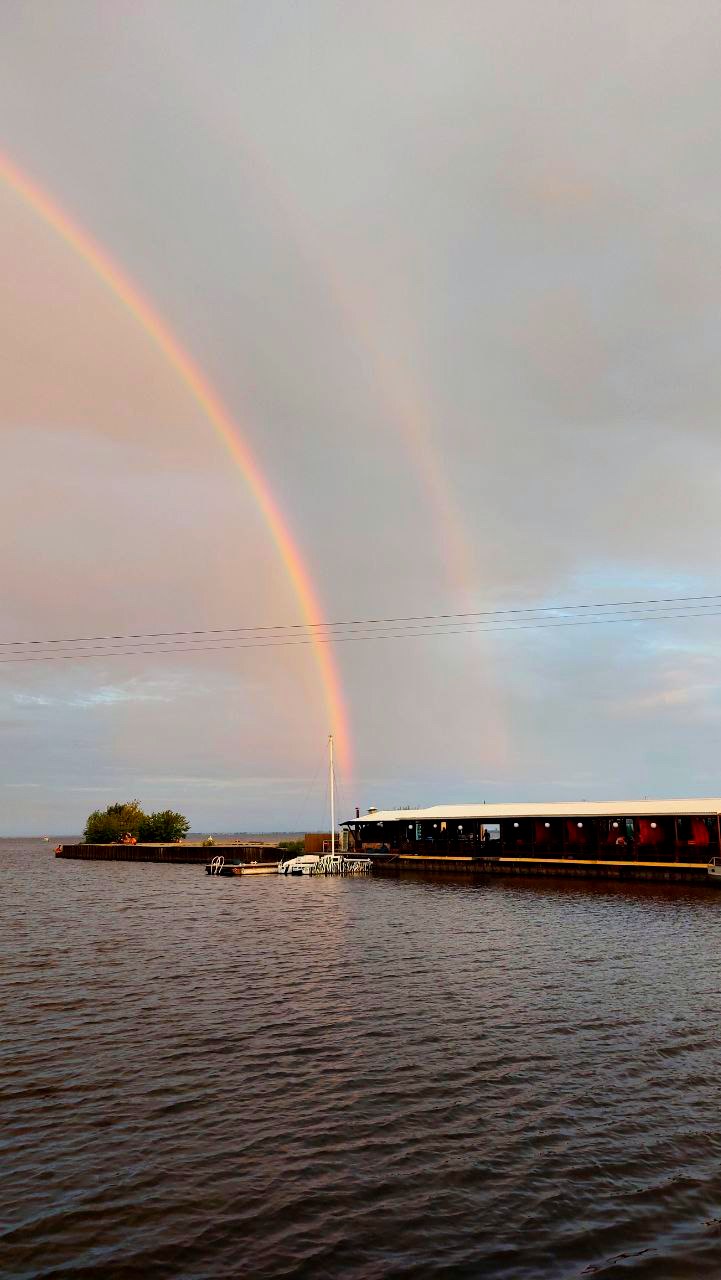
(714, 871)
(307, 864)
(304, 864)
(325, 864)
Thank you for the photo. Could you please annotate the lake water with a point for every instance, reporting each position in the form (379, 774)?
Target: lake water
(355, 1078)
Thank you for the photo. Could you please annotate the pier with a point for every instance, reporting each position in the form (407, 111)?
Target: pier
(193, 854)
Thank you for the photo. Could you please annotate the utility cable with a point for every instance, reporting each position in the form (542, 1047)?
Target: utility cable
(439, 627)
(365, 622)
(358, 636)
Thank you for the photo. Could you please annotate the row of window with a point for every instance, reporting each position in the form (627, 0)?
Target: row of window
(547, 835)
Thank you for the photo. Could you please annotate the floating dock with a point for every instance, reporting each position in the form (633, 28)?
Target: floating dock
(235, 866)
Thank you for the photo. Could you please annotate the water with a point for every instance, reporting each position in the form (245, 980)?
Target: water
(357, 1078)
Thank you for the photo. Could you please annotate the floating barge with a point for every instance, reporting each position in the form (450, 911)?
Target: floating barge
(669, 840)
(264, 856)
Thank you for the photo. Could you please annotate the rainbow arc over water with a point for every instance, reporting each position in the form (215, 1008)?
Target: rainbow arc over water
(217, 414)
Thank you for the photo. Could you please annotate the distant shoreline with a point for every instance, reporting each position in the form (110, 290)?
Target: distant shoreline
(193, 837)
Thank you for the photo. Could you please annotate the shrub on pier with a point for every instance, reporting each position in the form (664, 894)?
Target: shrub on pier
(165, 827)
(110, 825)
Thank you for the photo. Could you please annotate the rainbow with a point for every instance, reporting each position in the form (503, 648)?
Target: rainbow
(400, 396)
(188, 372)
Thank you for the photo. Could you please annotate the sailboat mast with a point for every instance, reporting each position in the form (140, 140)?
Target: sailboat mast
(332, 794)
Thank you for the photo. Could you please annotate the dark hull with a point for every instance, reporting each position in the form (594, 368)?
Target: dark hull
(670, 872)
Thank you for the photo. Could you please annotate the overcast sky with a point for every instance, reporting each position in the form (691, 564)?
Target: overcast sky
(456, 271)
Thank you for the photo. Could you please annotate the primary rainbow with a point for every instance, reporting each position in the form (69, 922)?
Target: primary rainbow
(215, 411)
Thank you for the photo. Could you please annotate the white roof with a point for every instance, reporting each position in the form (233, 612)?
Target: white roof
(709, 805)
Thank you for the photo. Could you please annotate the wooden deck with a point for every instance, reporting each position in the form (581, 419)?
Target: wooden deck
(243, 869)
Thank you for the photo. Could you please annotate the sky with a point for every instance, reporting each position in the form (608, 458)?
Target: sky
(454, 272)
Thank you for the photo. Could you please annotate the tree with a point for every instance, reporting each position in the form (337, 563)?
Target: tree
(108, 825)
(165, 827)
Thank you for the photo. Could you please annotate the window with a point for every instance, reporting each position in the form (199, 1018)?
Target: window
(615, 837)
(655, 837)
(548, 835)
(697, 833)
(580, 837)
(517, 835)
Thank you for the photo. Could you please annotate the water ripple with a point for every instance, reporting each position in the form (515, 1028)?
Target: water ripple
(367, 1079)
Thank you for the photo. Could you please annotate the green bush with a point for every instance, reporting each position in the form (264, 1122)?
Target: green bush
(110, 825)
(166, 827)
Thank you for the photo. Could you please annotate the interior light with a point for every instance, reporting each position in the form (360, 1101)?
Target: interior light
(615, 824)
(515, 824)
(653, 824)
(579, 824)
(546, 824)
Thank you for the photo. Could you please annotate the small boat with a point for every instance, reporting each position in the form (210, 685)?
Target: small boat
(310, 864)
(303, 864)
(325, 864)
(713, 871)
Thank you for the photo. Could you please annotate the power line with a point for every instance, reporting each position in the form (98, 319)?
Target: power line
(313, 628)
(99, 651)
(215, 638)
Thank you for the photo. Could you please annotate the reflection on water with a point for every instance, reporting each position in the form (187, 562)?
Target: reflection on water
(364, 1078)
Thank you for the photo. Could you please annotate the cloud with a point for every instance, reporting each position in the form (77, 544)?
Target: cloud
(133, 690)
(516, 206)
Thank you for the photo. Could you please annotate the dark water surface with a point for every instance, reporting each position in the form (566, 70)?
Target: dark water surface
(357, 1078)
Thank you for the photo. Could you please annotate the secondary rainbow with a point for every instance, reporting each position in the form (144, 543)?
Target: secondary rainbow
(220, 418)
